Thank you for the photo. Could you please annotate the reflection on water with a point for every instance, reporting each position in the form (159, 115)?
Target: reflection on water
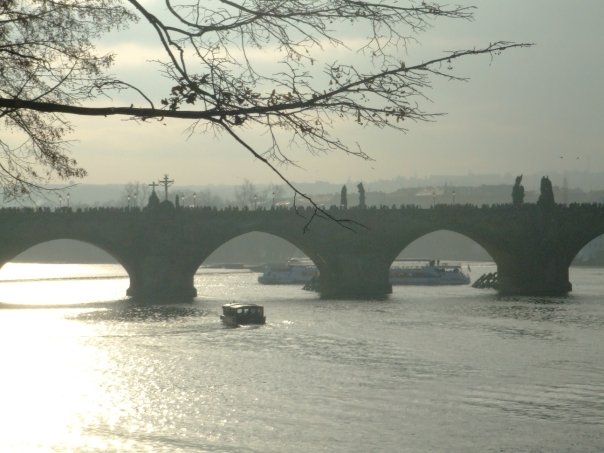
(46, 271)
(62, 292)
(124, 312)
(429, 369)
(51, 380)
(61, 284)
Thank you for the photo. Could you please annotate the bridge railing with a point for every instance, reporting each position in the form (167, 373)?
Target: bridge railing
(305, 210)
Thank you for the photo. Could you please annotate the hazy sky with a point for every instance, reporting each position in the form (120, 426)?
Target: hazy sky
(519, 113)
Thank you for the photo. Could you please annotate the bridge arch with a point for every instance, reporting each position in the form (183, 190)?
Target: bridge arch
(481, 247)
(590, 251)
(255, 247)
(241, 252)
(289, 245)
(65, 251)
(62, 271)
(24, 247)
(445, 244)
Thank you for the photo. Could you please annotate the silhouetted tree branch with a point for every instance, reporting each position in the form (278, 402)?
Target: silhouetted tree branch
(211, 56)
(47, 56)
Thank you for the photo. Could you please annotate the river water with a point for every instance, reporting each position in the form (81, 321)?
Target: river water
(429, 369)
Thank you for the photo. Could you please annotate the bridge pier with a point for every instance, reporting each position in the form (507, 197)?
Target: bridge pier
(157, 279)
(354, 276)
(534, 277)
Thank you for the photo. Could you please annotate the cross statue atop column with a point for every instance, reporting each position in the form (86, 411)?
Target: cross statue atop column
(153, 185)
(166, 183)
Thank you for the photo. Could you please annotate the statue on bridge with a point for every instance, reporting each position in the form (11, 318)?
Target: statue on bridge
(361, 195)
(344, 198)
(546, 198)
(518, 192)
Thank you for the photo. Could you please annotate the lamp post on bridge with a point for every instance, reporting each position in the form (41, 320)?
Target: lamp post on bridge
(194, 199)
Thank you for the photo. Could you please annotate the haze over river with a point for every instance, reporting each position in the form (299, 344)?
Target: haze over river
(449, 369)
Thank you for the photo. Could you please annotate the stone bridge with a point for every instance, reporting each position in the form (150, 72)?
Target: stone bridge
(162, 248)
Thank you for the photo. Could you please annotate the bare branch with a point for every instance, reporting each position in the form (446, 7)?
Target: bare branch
(49, 70)
(317, 211)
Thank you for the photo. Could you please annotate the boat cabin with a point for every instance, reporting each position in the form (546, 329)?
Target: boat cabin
(241, 314)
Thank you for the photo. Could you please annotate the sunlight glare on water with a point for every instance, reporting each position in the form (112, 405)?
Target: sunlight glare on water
(429, 369)
(54, 384)
(61, 284)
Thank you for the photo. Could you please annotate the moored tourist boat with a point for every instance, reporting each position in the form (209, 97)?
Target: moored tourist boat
(294, 272)
(403, 272)
(242, 314)
(431, 273)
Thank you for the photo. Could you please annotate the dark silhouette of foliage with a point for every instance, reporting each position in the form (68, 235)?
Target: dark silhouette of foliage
(47, 56)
